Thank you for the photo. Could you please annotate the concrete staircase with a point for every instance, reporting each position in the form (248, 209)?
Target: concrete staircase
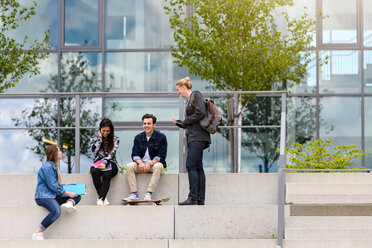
(329, 210)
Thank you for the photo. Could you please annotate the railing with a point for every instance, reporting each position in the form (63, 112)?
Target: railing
(233, 94)
(282, 195)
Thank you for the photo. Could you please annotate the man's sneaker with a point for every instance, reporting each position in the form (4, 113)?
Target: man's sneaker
(147, 197)
(37, 236)
(68, 207)
(99, 202)
(106, 202)
(132, 197)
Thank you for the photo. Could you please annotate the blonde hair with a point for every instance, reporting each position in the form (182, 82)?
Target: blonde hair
(51, 154)
(185, 82)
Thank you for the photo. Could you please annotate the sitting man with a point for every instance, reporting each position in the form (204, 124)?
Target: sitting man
(148, 153)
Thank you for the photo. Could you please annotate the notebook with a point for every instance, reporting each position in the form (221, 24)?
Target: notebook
(78, 188)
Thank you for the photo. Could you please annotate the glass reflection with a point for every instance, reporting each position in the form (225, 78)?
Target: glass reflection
(137, 24)
(301, 120)
(81, 72)
(342, 120)
(367, 67)
(132, 109)
(141, 72)
(81, 22)
(341, 25)
(308, 84)
(368, 130)
(367, 11)
(342, 72)
(46, 17)
(217, 159)
(46, 81)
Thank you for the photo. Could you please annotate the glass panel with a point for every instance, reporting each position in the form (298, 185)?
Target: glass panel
(367, 9)
(81, 22)
(342, 72)
(259, 144)
(368, 130)
(132, 109)
(81, 72)
(46, 81)
(308, 84)
(341, 25)
(367, 71)
(217, 159)
(301, 120)
(90, 112)
(46, 17)
(142, 72)
(137, 24)
(341, 121)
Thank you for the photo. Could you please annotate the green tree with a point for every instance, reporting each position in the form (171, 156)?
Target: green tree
(76, 76)
(15, 60)
(237, 45)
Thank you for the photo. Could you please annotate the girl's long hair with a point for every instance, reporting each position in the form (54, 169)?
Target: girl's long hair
(51, 153)
(107, 143)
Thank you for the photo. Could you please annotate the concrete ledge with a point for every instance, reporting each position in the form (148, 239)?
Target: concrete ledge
(84, 243)
(329, 222)
(91, 222)
(330, 210)
(327, 243)
(329, 188)
(328, 233)
(329, 198)
(226, 222)
(328, 177)
(236, 189)
(223, 243)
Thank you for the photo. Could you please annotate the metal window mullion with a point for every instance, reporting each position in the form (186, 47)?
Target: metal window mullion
(77, 134)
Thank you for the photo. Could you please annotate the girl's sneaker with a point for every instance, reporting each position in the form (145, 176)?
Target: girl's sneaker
(106, 202)
(99, 202)
(37, 236)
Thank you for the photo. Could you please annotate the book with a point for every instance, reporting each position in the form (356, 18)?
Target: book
(78, 188)
(96, 164)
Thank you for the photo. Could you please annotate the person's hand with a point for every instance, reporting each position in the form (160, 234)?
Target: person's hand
(141, 166)
(99, 134)
(101, 166)
(147, 167)
(173, 121)
(71, 194)
(69, 183)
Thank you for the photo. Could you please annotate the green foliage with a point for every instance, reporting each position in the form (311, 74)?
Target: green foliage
(317, 156)
(15, 60)
(237, 44)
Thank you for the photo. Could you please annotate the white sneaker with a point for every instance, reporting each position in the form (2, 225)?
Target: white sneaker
(106, 202)
(68, 207)
(131, 197)
(99, 202)
(37, 236)
(147, 197)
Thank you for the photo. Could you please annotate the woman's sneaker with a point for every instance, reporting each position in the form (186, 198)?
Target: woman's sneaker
(99, 202)
(68, 207)
(106, 202)
(37, 236)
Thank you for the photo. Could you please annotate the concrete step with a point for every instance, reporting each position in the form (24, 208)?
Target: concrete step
(249, 189)
(329, 188)
(329, 198)
(328, 177)
(364, 222)
(154, 243)
(145, 222)
(328, 233)
(363, 243)
(330, 210)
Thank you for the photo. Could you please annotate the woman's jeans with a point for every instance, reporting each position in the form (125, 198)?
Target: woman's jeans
(194, 166)
(53, 205)
(102, 187)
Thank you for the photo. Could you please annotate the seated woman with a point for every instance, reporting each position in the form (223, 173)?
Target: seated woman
(104, 146)
(49, 191)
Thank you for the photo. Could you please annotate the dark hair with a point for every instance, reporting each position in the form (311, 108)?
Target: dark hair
(107, 143)
(145, 116)
(51, 153)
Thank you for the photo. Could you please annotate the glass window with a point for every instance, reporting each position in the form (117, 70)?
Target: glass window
(301, 120)
(367, 71)
(368, 130)
(217, 159)
(81, 72)
(136, 24)
(81, 23)
(342, 72)
(341, 25)
(142, 72)
(367, 9)
(46, 17)
(308, 83)
(46, 81)
(341, 120)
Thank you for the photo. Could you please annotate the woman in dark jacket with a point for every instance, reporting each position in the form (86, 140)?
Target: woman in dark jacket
(104, 146)
(197, 140)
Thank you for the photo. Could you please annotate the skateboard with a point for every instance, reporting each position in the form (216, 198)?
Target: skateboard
(153, 202)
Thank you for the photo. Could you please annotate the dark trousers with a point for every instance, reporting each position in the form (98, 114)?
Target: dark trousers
(194, 166)
(103, 186)
(53, 206)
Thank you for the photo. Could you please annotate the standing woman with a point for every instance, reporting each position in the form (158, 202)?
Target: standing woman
(104, 146)
(197, 140)
(49, 192)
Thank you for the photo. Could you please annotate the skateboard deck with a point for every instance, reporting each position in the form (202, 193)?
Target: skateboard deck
(153, 202)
